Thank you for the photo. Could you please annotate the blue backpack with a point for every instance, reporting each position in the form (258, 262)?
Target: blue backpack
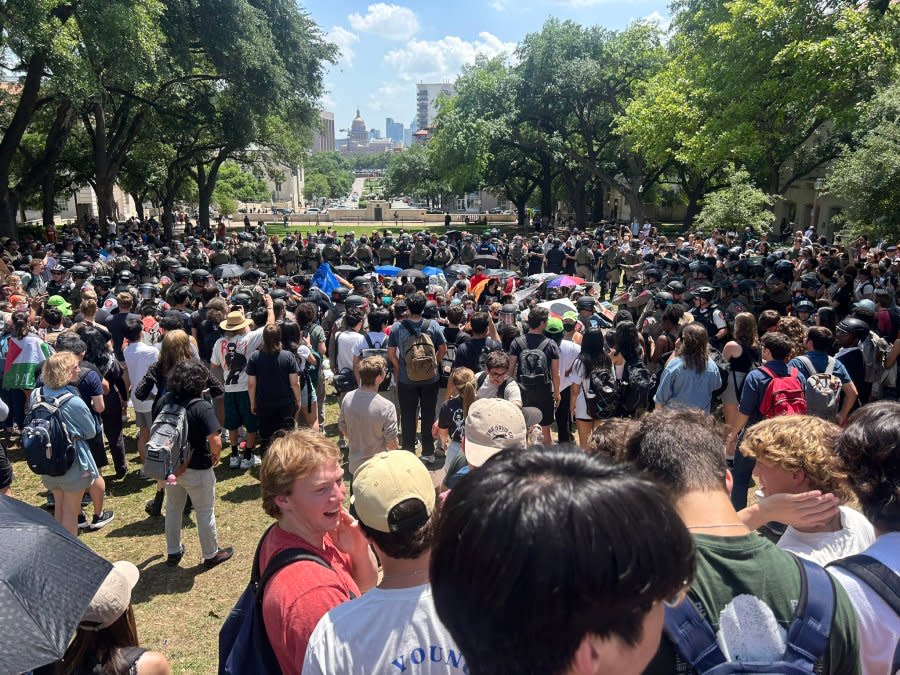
(244, 646)
(807, 636)
(49, 448)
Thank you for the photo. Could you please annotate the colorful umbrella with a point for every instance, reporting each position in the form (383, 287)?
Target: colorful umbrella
(565, 280)
(388, 270)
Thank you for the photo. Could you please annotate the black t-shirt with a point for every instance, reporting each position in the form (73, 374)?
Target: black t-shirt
(115, 323)
(451, 418)
(469, 352)
(273, 385)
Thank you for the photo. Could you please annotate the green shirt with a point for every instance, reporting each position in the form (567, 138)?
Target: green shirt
(751, 574)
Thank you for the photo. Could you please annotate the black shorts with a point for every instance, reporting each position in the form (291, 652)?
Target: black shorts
(543, 401)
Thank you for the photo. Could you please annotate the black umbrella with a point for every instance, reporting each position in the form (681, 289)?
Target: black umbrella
(412, 273)
(227, 271)
(347, 271)
(487, 261)
(456, 269)
(47, 580)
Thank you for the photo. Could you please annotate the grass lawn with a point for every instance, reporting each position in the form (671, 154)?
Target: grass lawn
(366, 228)
(179, 610)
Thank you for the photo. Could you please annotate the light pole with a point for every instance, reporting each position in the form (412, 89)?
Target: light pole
(817, 187)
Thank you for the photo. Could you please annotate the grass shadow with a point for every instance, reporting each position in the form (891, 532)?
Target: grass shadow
(243, 493)
(161, 579)
(146, 527)
(131, 484)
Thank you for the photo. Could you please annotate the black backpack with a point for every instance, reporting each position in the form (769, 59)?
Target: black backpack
(638, 386)
(533, 372)
(345, 379)
(501, 390)
(48, 446)
(488, 347)
(603, 394)
(724, 367)
(882, 580)
(244, 646)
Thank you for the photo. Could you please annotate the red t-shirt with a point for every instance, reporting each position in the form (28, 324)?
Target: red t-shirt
(300, 594)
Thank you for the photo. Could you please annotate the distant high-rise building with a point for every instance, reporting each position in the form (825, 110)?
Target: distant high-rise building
(323, 136)
(427, 101)
(393, 130)
(374, 134)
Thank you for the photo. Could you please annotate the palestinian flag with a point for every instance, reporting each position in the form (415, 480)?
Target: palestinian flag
(22, 361)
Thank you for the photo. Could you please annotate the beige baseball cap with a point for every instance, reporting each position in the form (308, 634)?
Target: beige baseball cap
(492, 425)
(112, 598)
(385, 481)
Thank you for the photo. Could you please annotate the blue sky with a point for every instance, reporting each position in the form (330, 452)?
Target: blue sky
(387, 48)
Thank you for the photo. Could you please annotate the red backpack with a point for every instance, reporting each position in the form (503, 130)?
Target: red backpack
(783, 395)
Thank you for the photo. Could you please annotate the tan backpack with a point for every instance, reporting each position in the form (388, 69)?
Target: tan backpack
(419, 355)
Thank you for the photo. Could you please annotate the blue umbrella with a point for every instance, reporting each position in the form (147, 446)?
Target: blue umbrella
(432, 271)
(388, 270)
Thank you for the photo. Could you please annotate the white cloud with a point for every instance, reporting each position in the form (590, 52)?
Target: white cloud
(498, 5)
(389, 21)
(657, 18)
(345, 40)
(393, 99)
(441, 60)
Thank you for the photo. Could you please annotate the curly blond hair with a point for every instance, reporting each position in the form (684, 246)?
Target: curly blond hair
(794, 329)
(801, 443)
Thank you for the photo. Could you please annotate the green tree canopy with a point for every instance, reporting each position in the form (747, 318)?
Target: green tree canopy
(738, 205)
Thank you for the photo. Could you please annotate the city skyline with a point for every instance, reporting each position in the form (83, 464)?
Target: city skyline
(387, 48)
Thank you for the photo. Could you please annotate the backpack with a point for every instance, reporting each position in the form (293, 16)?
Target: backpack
(724, 367)
(244, 646)
(875, 350)
(382, 352)
(807, 636)
(637, 388)
(488, 347)
(783, 395)
(447, 363)
(419, 355)
(501, 390)
(823, 390)
(881, 579)
(533, 371)
(168, 450)
(48, 446)
(603, 394)
(345, 379)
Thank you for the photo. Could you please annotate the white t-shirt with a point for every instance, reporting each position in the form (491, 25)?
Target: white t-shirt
(346, 343)
(138, 359)
(384, 631)
(512, 393)
(879, 625)
(568, 352)
(232, 355)
(856, 534)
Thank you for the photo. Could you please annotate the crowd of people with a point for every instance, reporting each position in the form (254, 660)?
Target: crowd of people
(547, 444)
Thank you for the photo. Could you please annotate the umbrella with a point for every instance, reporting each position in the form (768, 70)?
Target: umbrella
(539, 277)
(501, 274)
(565, 280)
(432, 271)
(227, 270)
(47, 580)
(456, 269)
(347, 271)
(487, 261)
(412, 273)
(558, 307)
(387, 270)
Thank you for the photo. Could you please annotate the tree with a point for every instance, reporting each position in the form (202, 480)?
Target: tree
(867, 173)
(738, 205)
(411, 173)
(238, 184)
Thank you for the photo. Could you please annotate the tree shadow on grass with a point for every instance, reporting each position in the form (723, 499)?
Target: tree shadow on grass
(131, 484)
(158, 578)
(243, 493)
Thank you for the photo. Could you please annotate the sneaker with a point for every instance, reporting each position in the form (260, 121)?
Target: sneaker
(82, 521)
(221, 556)
(174, 558)
(430, 461)
(246, 463)
(153, 507)
(120, 473)
(101, 520)
(255, 461)
(235, 461)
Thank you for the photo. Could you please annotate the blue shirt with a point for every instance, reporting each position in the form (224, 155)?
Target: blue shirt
(820, 363)
(680, 384)
(79, 421)
(755, 388)
(400, 337)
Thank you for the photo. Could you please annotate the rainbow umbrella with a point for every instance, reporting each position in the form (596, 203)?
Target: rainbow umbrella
(565, 280)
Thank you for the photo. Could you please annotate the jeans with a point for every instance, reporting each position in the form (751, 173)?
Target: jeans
(15, 399)
(200, 486)
(112, 429)
(741, 475)
(563, 419)
(412, 397)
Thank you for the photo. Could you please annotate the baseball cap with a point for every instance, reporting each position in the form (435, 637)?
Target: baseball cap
(492, 425)
(112, 598)
(60, 303)
(554, 326)
(571, 314)
(384, 482)
(865, 304)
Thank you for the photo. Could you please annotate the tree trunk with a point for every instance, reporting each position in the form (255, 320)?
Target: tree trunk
(597, 204)
(546, 188)
(138, 206)
(206, 184)
(48, 200)
(9, 212)
(168, 216)
(693, 208)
